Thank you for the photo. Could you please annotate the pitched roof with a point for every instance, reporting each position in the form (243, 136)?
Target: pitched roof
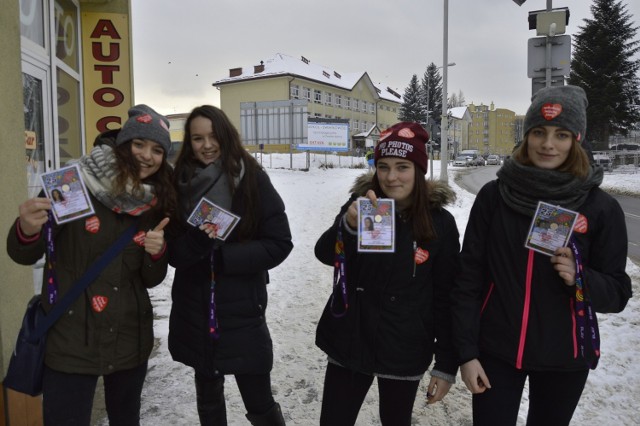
(281, 65)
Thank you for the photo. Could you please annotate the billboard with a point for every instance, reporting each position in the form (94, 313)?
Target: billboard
(326, 135)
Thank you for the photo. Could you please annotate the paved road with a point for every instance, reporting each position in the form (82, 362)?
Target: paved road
(474, 178)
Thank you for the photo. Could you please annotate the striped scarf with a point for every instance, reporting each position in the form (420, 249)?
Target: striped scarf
(99, 169)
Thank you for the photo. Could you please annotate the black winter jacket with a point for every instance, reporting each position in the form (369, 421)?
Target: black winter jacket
(532, 326)
(399, 310)
(244, 345)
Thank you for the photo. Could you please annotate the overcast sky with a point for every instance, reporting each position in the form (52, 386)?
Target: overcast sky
(181, 48)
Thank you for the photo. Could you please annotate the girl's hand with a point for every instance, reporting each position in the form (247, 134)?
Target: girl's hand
(474, 377)
(352, 211)
(33, 215)
(564, 262)
(437, 389)
(211, 229)
(154, 239)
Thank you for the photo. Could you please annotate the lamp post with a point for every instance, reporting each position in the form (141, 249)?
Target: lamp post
(444, 145)
(450, 64)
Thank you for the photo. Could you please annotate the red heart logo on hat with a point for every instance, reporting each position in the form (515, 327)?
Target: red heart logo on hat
(144, 118)
(551, 111)
(406, 133)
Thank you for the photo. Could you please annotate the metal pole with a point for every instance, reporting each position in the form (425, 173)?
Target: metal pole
(444, 146)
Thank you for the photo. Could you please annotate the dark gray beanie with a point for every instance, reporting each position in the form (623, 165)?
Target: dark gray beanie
(145, 123)
(562, 106)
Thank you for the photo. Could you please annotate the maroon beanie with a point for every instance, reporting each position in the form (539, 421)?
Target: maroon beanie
(404, 140)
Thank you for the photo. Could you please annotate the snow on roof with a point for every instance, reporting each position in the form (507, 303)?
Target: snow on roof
(282, 64)
(458, 112)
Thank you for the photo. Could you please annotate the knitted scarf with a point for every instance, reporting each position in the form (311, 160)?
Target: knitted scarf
(523, 186)
(210, 182)
(99, 169)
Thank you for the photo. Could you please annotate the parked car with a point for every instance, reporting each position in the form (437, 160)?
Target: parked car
(477, 160)
(603, 161)
(493, 160)
(461, 161)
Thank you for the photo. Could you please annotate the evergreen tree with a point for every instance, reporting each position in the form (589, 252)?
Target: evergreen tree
(411, 108)
(432, 92)
(456, 100)
(604, 67)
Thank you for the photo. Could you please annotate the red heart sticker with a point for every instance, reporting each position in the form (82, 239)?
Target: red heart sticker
(421, 256)
(139, 238)
(551, 111)
(582, 225)
(406, 133)
(144, 119)
(99, 303)
(92, 224)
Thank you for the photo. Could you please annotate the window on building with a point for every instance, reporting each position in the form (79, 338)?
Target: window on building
(347, 102)
(338, 101)
(306, 93)
(364, 106)
(317, 96)
(356, 125)
(328, 100)
(356, 105)
(295, 91)
(372, 108)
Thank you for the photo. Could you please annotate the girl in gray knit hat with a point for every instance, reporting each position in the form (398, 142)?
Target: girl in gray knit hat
(520, 314)
(108, 330)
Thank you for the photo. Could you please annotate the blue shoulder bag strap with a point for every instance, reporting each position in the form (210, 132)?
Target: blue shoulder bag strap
(83, 282)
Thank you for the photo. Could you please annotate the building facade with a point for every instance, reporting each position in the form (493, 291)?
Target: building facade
(492, 130)
(314, 91)
(66, 76)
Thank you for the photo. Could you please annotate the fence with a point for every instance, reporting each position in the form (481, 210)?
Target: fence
(307, 160)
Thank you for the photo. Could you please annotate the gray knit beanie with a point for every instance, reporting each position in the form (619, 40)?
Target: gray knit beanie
(145, 123)
(562, 106)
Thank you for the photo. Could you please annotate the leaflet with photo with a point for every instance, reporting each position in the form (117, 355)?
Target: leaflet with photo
(376, 225)
(208, 212)
(550, 228)
(69, 196)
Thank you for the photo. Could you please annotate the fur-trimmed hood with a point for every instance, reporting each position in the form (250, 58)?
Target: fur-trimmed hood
(440, 194)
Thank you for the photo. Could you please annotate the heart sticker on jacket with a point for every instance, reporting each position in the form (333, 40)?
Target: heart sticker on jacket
(421, 256)
(99, 303)
(582, 225)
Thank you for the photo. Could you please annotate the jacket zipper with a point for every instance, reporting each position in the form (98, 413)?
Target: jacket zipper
(525, 310)
(415, 250)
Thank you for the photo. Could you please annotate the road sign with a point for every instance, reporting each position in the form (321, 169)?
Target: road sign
(560, 56)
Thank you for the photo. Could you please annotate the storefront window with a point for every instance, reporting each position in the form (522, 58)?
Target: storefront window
(66, 25)
(32, 21)
(69, 130)
(34, 132)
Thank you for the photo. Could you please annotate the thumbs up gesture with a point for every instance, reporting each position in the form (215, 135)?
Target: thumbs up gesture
(154, 240)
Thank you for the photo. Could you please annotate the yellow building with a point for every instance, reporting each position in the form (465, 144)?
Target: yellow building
(66, 76)
(312, 91)
(492, 130)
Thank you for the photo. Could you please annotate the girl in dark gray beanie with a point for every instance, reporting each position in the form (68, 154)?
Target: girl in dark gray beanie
(520, 314)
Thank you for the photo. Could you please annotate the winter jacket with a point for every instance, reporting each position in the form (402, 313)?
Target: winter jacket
(244, 344)
(530, 322)
(398, 312)
(110, 327)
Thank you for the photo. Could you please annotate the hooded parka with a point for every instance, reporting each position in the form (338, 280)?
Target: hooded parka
(110, 327)
(241, 273)
(398, 312)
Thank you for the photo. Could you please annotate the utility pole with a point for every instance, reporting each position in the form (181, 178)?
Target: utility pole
(444, 143)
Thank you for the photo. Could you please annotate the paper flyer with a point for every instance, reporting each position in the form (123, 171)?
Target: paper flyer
(67, 191)
(550, 229)
(206, 211)
(376, 225)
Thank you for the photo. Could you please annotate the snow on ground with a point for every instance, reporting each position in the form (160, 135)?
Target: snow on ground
(299, 289)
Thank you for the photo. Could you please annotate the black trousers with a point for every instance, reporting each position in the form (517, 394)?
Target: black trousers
(345, 390)
(553, 395)
(67, 399)
(255, 390)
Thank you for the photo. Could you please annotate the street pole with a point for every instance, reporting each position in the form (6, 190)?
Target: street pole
(444, 146)
(429, 113)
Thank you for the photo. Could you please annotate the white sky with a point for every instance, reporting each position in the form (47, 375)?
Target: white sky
(299, 289)
(181, 48)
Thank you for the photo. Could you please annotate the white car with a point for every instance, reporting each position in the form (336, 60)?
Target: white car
(461, 161)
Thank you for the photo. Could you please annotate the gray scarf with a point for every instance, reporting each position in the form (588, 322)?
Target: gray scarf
(523, 186)
(210, 182)
(99, 169)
